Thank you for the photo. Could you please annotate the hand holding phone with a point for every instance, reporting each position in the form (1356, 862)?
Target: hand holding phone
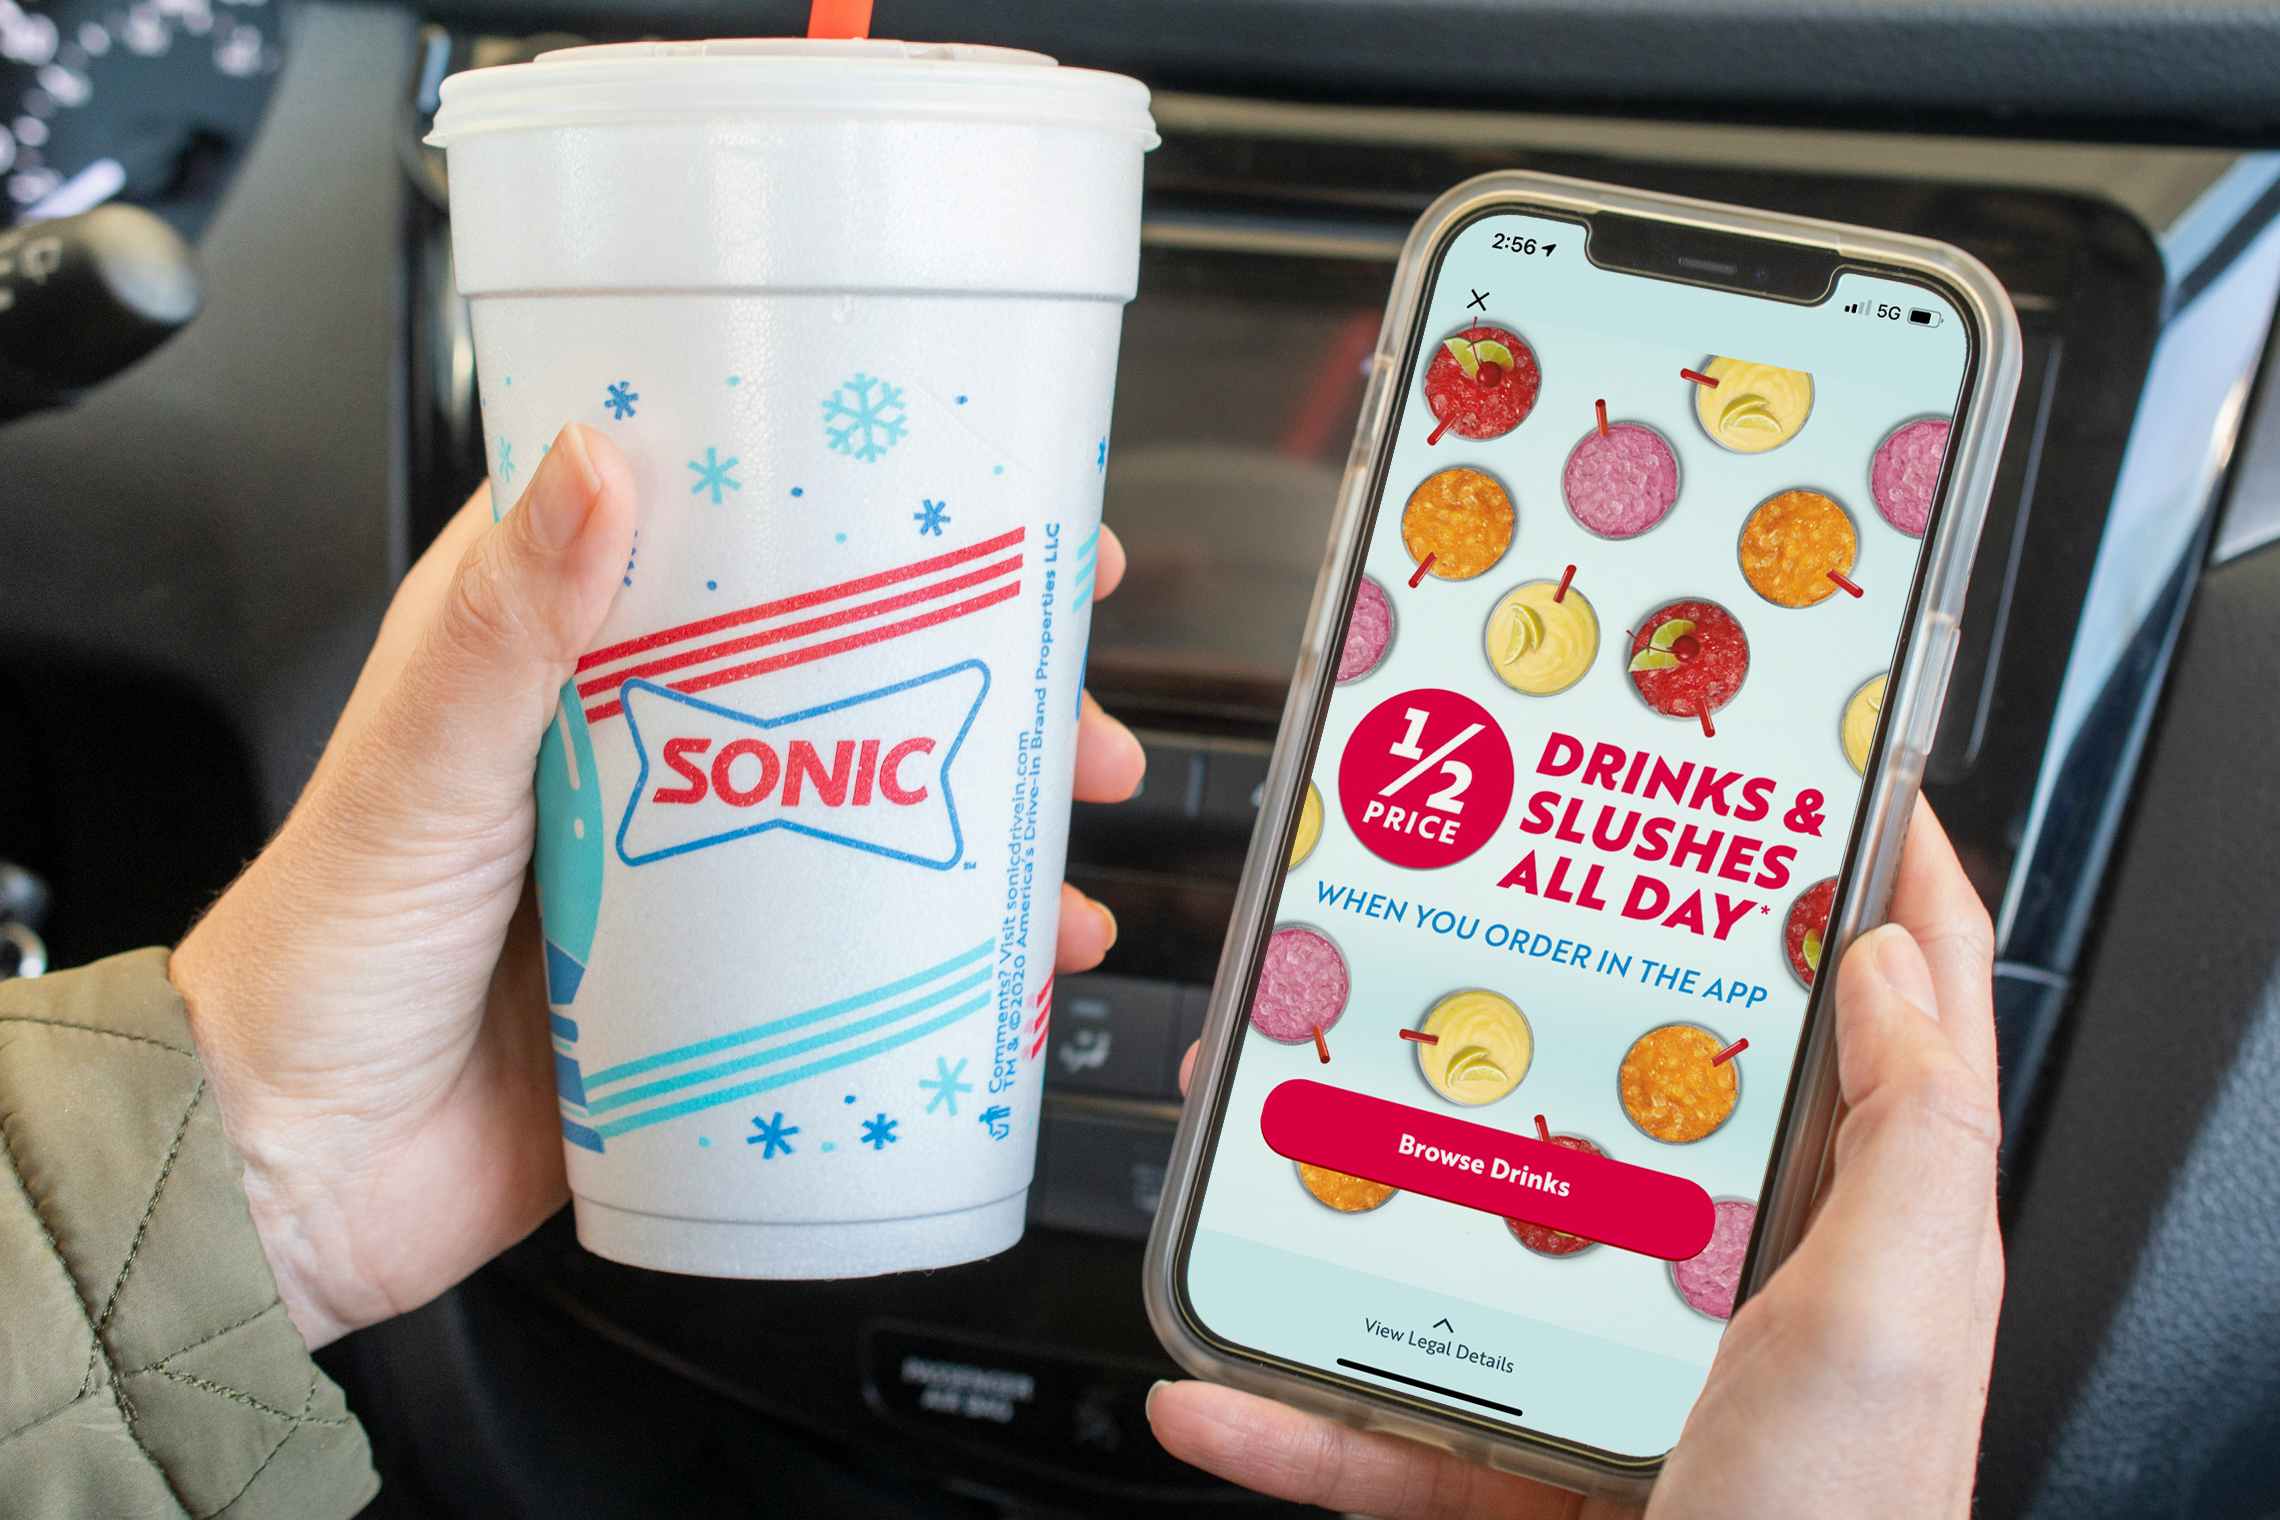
(1521, 1074)
(1854, 1384)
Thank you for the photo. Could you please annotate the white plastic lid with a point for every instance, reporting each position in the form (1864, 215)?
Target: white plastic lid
(774, 76)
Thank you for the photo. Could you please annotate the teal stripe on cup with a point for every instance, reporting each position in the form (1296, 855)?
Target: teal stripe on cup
(678, 1054)
(775, 1053)
(797, 1074)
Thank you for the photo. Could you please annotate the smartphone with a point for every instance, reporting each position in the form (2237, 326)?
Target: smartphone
(1612, 705)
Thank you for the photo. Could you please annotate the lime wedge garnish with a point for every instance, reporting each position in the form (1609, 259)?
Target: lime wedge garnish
(1669, 631)
(1526, 632)
(1489, 351)
(1654, 659)
(1468, 359)
(1474, 1063)
(1812, 951)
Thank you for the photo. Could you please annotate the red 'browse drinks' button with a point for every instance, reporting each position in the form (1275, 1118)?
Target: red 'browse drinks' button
(1510, 1176)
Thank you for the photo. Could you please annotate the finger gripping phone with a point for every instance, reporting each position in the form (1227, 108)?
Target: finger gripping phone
(1612, 705)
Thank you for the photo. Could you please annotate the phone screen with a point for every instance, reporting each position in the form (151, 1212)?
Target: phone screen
(1522, 1034)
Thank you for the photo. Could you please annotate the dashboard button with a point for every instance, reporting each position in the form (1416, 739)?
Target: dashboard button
(1102, 1174)
(1232, 780)
(1084, 1418)
(1113, 1034)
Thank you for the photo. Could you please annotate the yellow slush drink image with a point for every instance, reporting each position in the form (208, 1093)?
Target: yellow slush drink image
(1481, 1047)
(1858, 730)
(1753, 407)
(1309, 827)
(1540, 642)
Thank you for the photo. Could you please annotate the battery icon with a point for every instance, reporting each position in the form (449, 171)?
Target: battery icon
(1921, 317)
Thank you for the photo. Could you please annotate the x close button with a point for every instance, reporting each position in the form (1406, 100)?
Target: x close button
(1510, 1176)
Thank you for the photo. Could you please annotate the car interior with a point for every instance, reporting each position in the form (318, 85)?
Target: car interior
(207, 503)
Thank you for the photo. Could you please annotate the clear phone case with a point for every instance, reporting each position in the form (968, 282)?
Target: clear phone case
(1912, 705)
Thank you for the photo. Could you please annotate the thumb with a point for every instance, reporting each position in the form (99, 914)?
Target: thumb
(1907, 1216)
(474, 698)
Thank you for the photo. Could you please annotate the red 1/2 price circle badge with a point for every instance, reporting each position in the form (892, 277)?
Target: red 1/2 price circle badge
(1426, 778)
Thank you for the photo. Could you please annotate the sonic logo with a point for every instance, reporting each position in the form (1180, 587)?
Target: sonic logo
(870, 771)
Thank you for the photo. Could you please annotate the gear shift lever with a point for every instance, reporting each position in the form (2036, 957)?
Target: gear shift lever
(83, 297)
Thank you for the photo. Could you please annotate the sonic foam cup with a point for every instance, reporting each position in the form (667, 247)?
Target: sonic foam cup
(851, 309)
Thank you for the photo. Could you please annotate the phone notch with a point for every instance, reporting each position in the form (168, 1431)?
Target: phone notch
(1784, 271)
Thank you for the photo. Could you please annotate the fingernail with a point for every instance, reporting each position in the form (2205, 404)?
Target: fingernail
(573, 442)
(1107, 917)
(1148, 1405)
(1900, 962)
(562, 496)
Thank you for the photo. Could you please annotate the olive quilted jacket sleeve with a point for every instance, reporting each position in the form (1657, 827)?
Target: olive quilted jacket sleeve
(146, 1365)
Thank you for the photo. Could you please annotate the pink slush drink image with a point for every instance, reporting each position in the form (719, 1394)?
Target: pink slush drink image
(1710, 1281)
(1303, 985)
(1622, 482)
(803, 812)
(1369, 632)
(1906, 470)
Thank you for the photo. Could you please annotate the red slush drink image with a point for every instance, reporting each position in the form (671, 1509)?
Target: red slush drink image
(1688, 657)
(1483, 382)
(1806, 929)
(1543, 1239)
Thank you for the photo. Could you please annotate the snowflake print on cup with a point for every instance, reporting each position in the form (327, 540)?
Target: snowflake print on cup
(864, 418)
(1426, 778)
(772, 1135)
(713, 476)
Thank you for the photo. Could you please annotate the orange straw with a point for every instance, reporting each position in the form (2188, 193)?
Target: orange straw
(1321, 1046)
(839, 18)
(1601, 408)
